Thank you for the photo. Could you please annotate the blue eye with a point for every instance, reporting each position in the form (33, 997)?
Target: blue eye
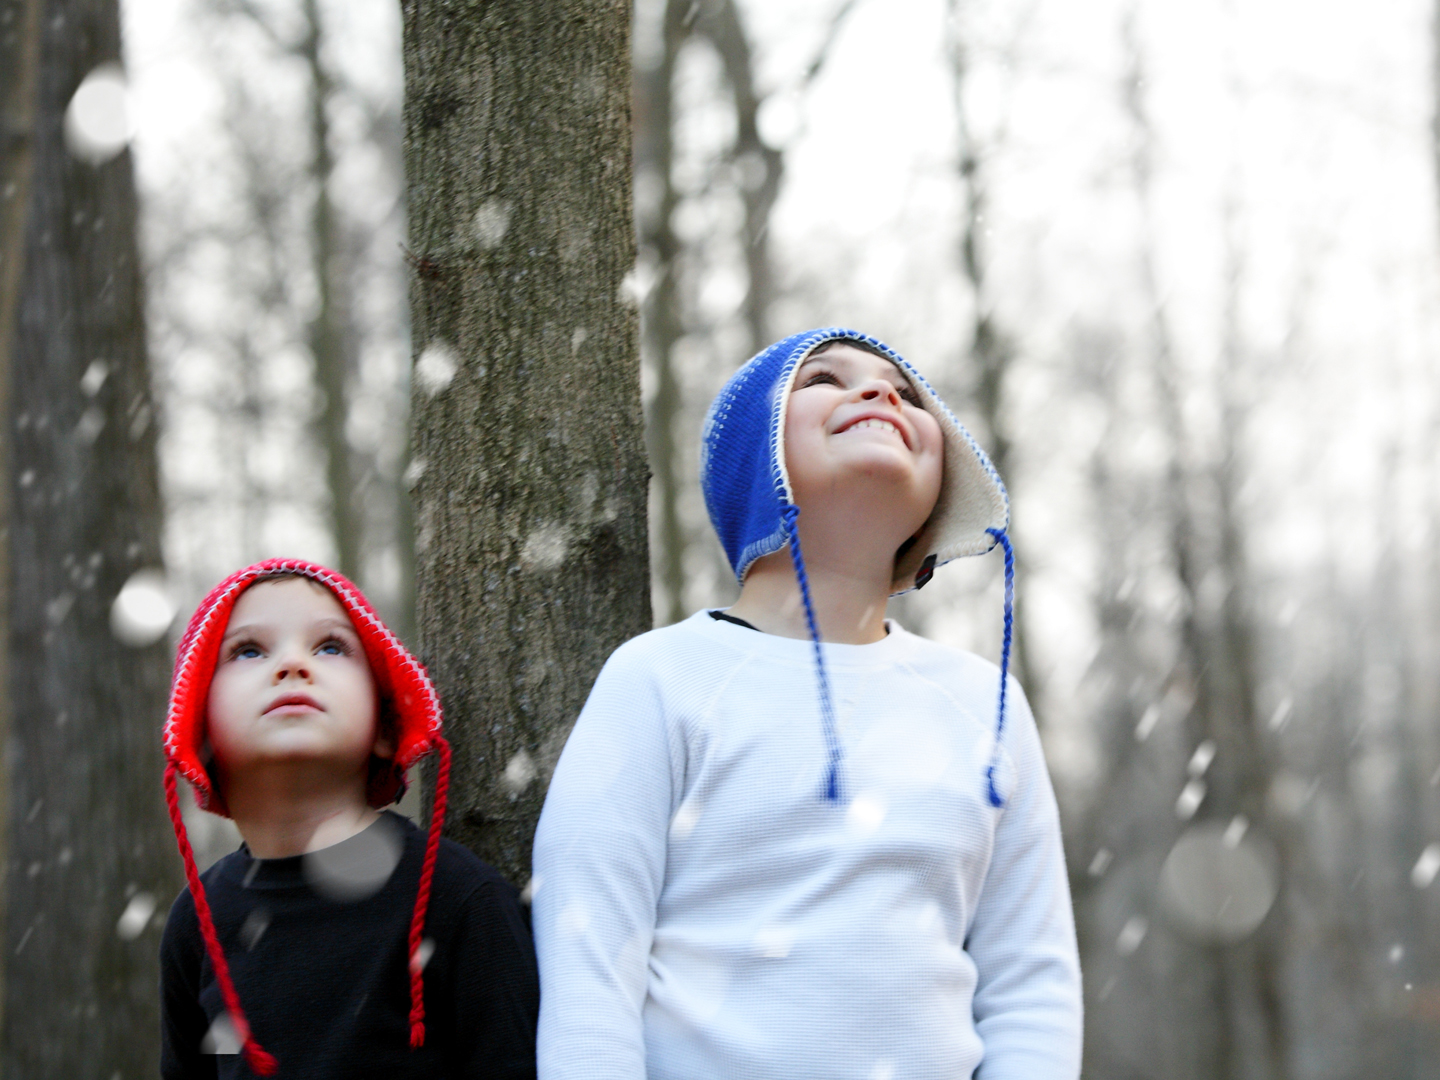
(245, 652)
(333, 648)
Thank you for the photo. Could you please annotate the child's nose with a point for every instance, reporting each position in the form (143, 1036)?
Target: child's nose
(292, 666)
(881, 390)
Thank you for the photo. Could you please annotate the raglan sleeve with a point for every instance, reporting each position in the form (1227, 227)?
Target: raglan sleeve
(183, 1023)
(599, 864)
(1027, 1004)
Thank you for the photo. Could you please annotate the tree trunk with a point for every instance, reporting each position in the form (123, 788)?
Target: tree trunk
(991, 349)
(530, 498)
(19, 68)
(758, 167)
(328, 339)
(88, 839)
(664, 320)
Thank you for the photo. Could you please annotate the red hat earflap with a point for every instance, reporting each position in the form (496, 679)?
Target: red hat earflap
(408, 704)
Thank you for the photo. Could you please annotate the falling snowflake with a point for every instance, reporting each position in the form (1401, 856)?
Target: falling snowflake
(1131, 935)
(1191, 796)
(357, 867)
(97, 120)
(1218, 883)
(436, 367)
(254, 927)
(1426, 867)
(519, 773)
(222, 1037)
(136, 916)
(423, 953)
(142, 610)
(491, 222)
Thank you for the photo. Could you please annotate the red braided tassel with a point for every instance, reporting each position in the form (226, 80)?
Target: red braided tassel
(261, 1061)
(422, 897)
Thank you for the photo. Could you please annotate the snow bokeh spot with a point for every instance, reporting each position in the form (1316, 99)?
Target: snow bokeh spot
(91, 423)
(436, 368)
(527, 894)
(685, 819)
(1201, 759)
(865, 815)
(143, 609)
(1281, 713)
(423, 954)
(491, 223)
(94, 377)
(1131, 935)
(575, 919)
(775, 942)
(545, 548)
(97, 120)
(1191, 796)
(355, 868)
(135, 917)
(519, 773)
(222, 1037)
(254, 926)
(1218, 883)
(1425, 868)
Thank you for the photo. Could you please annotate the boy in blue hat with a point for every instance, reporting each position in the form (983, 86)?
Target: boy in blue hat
(763, 856)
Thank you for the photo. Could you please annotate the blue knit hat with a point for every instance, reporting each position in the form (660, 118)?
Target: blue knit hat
(750, 501)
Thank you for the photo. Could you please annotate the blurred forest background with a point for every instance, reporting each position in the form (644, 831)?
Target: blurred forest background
(1177, 266)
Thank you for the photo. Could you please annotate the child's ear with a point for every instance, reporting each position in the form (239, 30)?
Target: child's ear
(384, 747)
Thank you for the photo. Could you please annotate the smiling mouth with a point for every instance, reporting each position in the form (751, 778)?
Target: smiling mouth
(874, 424)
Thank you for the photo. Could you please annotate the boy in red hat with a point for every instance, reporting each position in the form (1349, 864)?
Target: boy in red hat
(339, 940)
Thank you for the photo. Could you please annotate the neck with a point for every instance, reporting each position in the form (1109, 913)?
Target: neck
(288, 809)
(849, 579)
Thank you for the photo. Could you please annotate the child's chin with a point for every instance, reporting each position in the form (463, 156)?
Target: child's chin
(300, 750)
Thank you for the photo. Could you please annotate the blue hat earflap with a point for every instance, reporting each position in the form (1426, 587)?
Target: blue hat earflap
(827, 702)
(1004, 541)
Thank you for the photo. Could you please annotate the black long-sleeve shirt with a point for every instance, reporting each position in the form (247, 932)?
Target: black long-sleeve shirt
(324, 983)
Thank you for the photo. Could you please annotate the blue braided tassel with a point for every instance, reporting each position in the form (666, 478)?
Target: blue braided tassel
(827, 704)
(1004, 541)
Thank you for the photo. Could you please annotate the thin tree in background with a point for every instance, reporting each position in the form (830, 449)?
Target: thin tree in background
(663, 318)
(330, 335)
(528, 447)
(19, 71)
(749, 169)
(307, 250)
(756, 170)
(89, 860)
(992, 346)
(329, 345)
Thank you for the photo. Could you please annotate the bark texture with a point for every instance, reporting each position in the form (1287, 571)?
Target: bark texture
(528, 439)
(19, 68)
(88, 837)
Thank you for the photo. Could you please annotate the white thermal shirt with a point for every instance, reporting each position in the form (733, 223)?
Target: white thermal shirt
(702, 912)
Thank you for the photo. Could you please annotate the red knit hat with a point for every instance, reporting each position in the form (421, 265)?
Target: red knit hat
(408, 703)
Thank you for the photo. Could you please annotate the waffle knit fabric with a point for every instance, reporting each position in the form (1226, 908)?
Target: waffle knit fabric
(324, 979)
(751, 504)
(408, 706)
(699, 914)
